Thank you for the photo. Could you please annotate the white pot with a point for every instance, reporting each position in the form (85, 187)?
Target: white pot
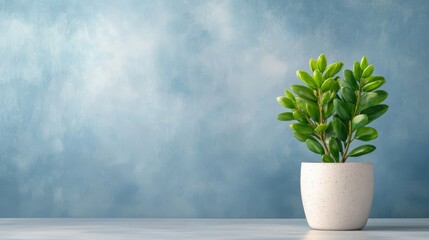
(337, 196)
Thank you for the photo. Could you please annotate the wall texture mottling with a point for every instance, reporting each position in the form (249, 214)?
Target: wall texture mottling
(167, 108)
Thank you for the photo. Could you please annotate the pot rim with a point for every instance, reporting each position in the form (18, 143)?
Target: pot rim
(336, 164)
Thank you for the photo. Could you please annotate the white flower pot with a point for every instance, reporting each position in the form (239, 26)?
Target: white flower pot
(337, 196)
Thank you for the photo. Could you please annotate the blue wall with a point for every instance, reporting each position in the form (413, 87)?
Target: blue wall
(167, 108)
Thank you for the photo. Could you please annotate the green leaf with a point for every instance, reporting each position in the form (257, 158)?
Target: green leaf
(340, 129)
(342, 83)
(373, 79)
(334, 148)
(348, 94)
(302, 128)
(326, 97)
(328, 109)
(368, 71)
(341, 110)
(300, 117)
(321, 128)
(286, 102)
(322, 62)
(333, 69)
(357, 71)
(327, 159)
(373, 85)
(301, 137)
(359, 121)
(361, 150)
(350, 79)
(304, 92)
(314, 146)
(313, 64)
(366, 134)
(306, 78)
(290, 95)
(327, 85)
(375, 112)
(363, 63)
(329, 132)
(340, 144)
(367, 100)
(286, 116)
(333, 95)
(335, 86)
(301, 103)
(313, 111)
(381, 96)
(317, 75)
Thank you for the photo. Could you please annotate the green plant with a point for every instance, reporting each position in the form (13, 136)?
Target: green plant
(332, 112)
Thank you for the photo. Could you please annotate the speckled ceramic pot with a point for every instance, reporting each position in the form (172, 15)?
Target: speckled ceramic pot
(337, 196)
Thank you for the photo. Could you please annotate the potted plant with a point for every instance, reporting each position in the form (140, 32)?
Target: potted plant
(332, 114)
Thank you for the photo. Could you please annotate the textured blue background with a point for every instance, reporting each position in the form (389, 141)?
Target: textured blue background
(167, 108)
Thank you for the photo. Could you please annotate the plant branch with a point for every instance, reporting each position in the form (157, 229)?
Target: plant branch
(321, 121)
(349, 140)
(355, 112)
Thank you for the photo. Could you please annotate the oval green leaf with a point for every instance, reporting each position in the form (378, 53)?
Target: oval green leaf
(361, 150)
(375, 112)
(335, 86)
(348, 94)
(334, 148)
(306, 78)
(373, 79)
(318, 77)
(300, 103)
(381, 96)
(341, 110)
(368, 71)
(313, 64)
(327, 85)
(327, 159)
(286, 102)
(329, 132)
(333, 69)
(314, 146)
(326, 97)
(290, 95)
(299, 116)
(350, 79)
(328, 109)
(359, 121)
(357, 71)
(340, 144)
(366, 134)
(363, 63)
(340, 129)
(302, 128)
(372, 86)
(286, 116)
(304, 92)
(322, 62)
(313, 111)
(321, 128)
(367, 100)
(301, 137)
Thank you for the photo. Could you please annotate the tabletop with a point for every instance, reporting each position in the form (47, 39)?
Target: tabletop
(137, 228)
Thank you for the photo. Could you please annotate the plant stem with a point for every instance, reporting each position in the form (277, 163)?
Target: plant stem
(349, 138)
(346, 150)
(308, 118)
(322, 120)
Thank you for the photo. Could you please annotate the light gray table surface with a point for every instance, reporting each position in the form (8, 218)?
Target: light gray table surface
(135, 228)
